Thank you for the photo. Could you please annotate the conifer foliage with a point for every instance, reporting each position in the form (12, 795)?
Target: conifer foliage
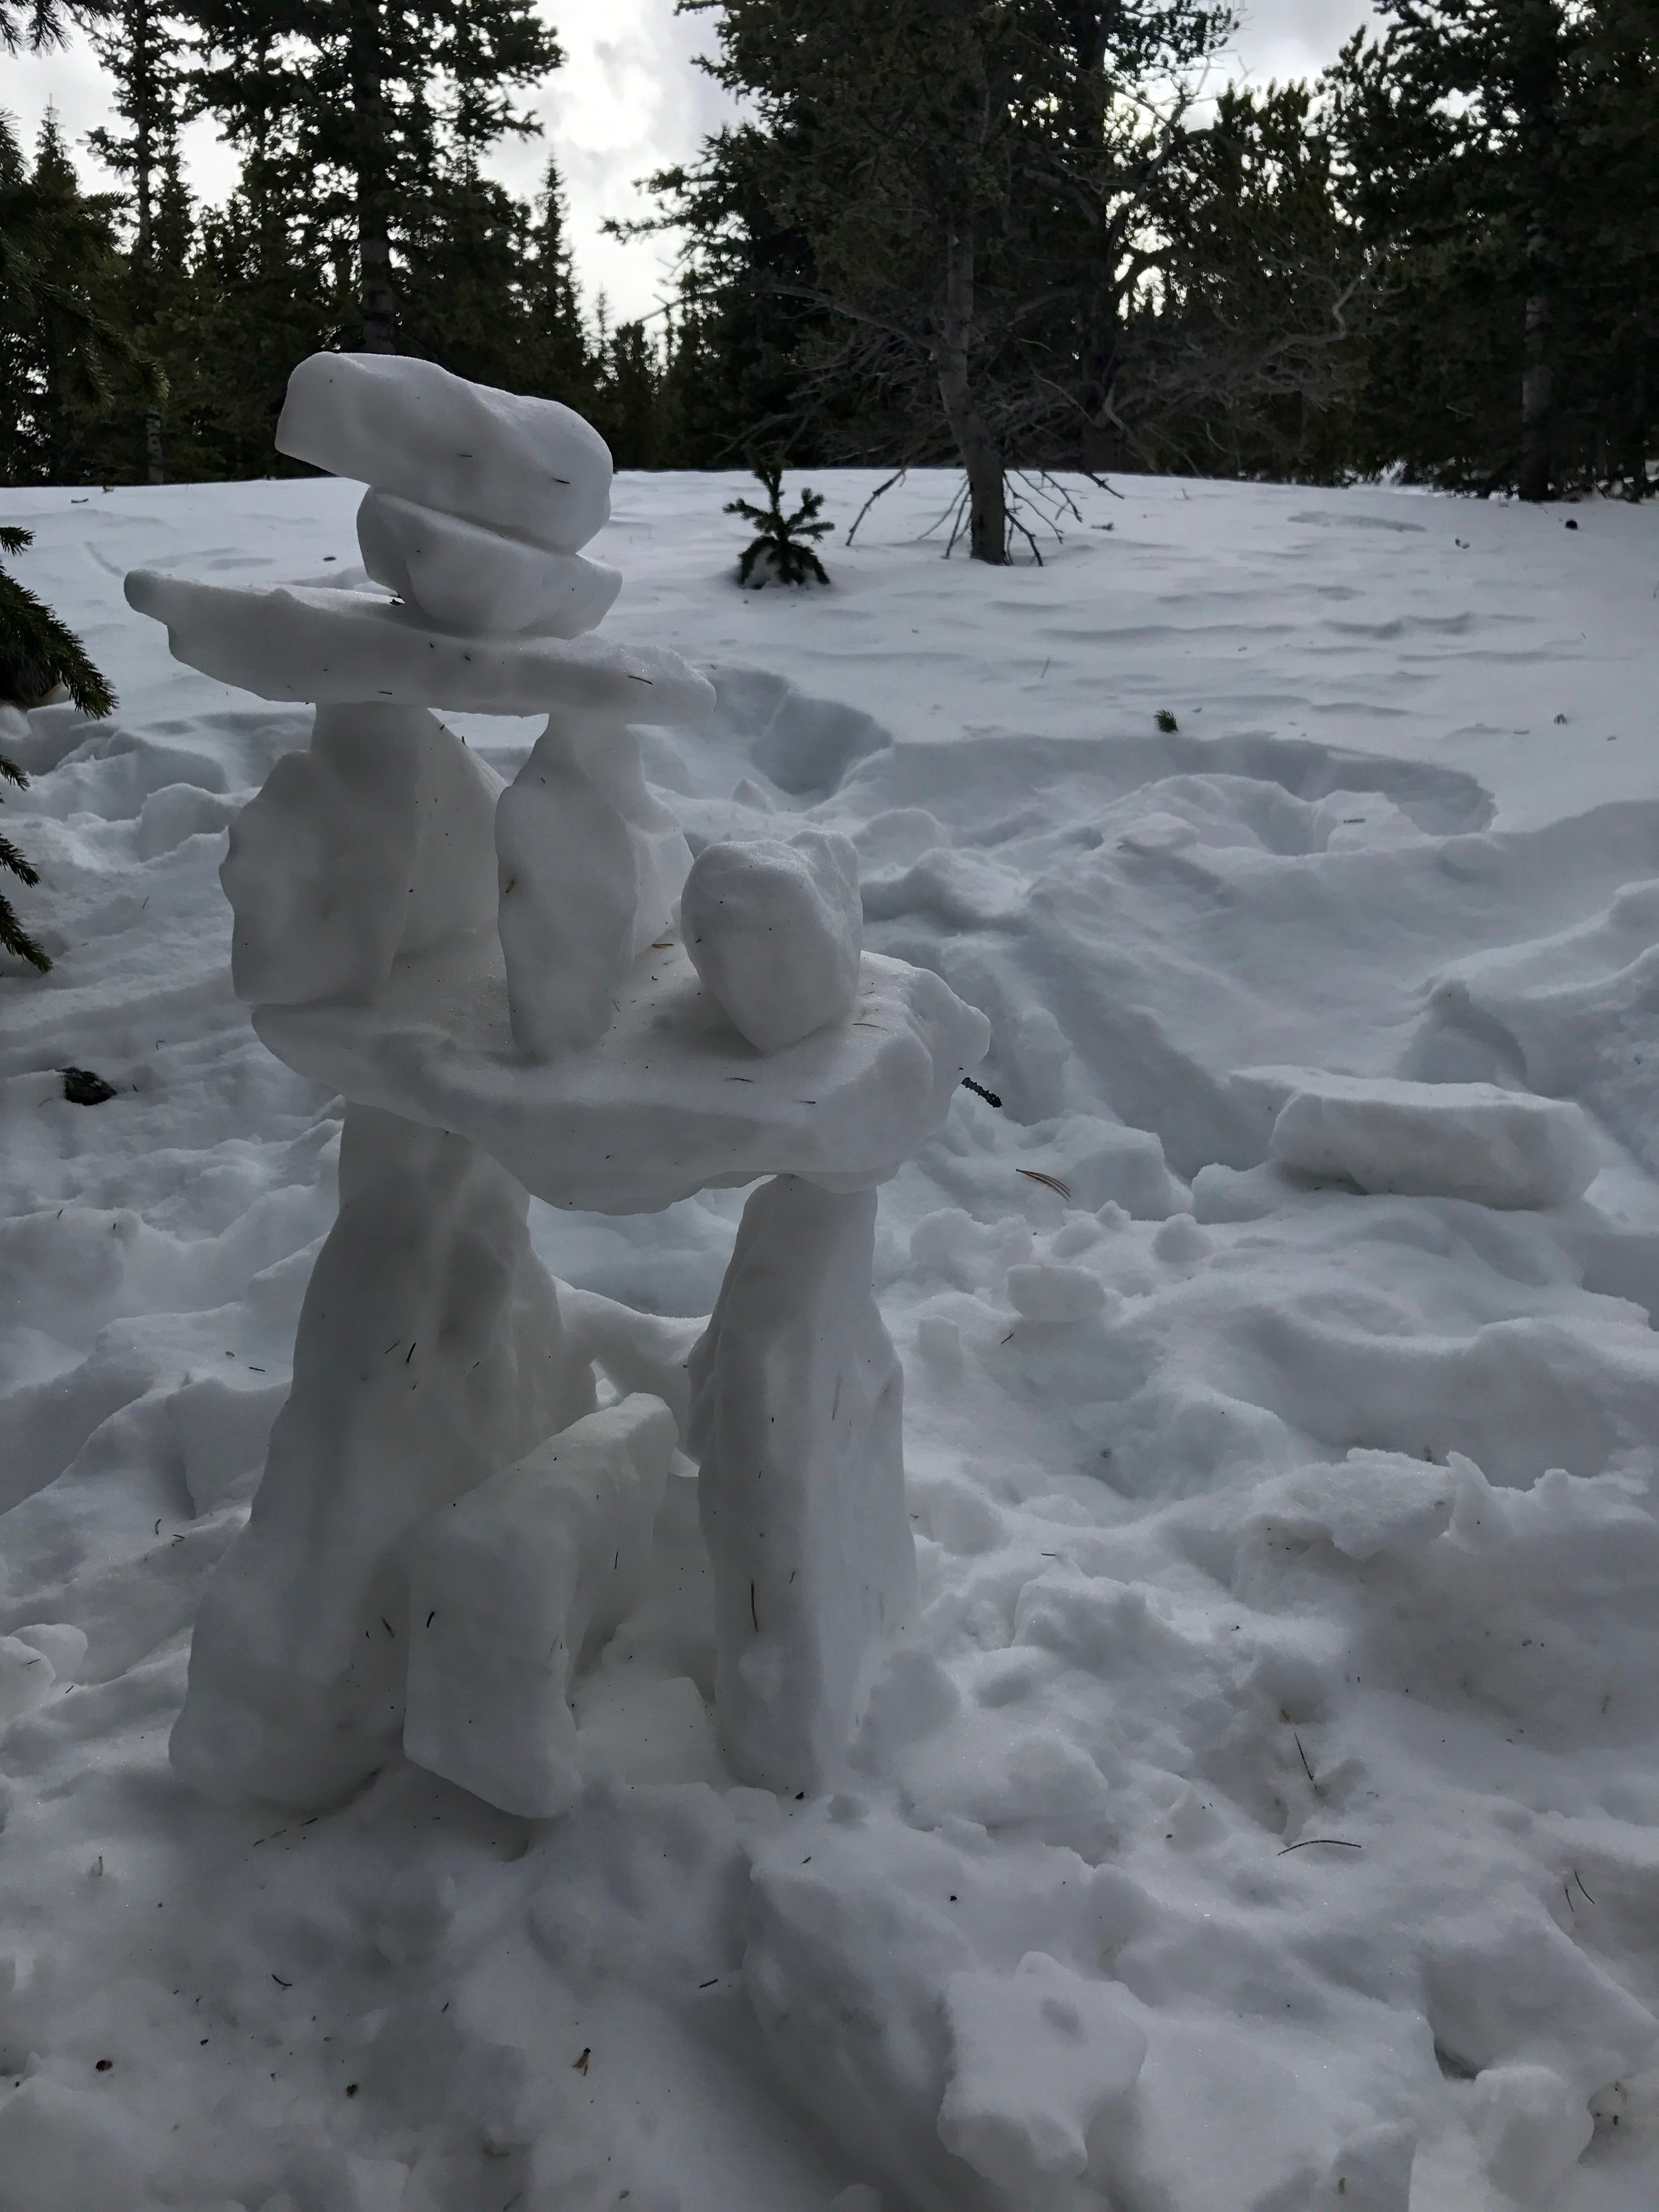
(781, 551)
(1006, 235)
(38, 654)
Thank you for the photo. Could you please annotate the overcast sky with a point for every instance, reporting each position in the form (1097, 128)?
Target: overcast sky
(627, 101)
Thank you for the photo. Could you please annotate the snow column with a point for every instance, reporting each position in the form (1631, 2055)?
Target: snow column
(796, 1421)
(428, 1355)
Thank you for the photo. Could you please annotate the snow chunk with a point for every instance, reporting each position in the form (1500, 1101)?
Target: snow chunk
(773, 930)
(511, 1586)
(27, 1676)
(378, 840)
(472, 578)
(1470, 1140)
(1531, 2126)
(411, 428)
(1372, 2171)
(1047, 1291)
(1037, 2055)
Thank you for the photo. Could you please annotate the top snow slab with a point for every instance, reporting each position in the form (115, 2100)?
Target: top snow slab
(1469, 1140)
(529, 467)
(670, 1102)
(346, 647)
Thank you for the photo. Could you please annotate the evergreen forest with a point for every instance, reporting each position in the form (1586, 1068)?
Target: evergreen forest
(1008, 235)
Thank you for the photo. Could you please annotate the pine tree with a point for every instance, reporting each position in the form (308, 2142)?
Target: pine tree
(141, 45)
(67, 353)
(1497, 158)
(558, 364)
(966, 182)
(347, 89)
(38, 24)
(37, 653)
(1245, 358)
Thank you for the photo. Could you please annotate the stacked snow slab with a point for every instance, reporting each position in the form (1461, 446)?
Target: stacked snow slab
(411, 429)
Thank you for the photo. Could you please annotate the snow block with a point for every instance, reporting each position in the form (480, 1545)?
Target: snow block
(428, 1355)
(796, 1421)
(472, 579)
(773, 930)
(300, 642)
(591, 863)
(409, 428)
(1038, 2056)
(512, 1587)
(1469, 1140)
(377, 841)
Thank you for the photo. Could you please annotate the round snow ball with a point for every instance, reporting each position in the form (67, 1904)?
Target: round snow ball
(774, 931)
(1043, 1290)
(1531, 2126)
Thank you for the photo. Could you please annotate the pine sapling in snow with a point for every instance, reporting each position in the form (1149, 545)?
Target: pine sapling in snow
(777, 551)
(37, 655)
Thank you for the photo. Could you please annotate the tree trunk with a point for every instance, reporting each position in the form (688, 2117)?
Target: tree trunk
(1102, 442)
(981, 458)
(377, 298)
(146, 122)
(1536, 391)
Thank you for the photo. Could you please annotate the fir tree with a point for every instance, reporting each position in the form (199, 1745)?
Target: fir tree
(966, 185)
(559, 365)
(781, 550)
(37, 653)
(140, 44)
(1497, 159)
(66, 352)
(348, 89)
(38, 24)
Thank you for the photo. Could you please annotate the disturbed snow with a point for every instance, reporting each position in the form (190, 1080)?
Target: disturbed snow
(1264, 1815)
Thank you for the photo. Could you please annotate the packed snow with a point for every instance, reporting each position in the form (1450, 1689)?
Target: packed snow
(1260, 1809)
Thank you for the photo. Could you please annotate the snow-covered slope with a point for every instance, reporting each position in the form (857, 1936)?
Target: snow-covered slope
(1271, 1783)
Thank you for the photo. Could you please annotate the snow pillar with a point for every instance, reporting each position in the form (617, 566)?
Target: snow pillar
(797, 1421)
(591, 863)
(430, 1355)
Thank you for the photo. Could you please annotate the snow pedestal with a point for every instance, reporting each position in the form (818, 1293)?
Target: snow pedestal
(494, 978)
(429, 1354)
(796, 1423)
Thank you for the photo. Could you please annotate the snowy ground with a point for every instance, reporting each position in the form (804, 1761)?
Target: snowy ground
(1269, 1516)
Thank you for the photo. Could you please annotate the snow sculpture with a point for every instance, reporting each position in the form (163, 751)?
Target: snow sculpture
(773, 931)
(491, 976)
(796, 1422)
